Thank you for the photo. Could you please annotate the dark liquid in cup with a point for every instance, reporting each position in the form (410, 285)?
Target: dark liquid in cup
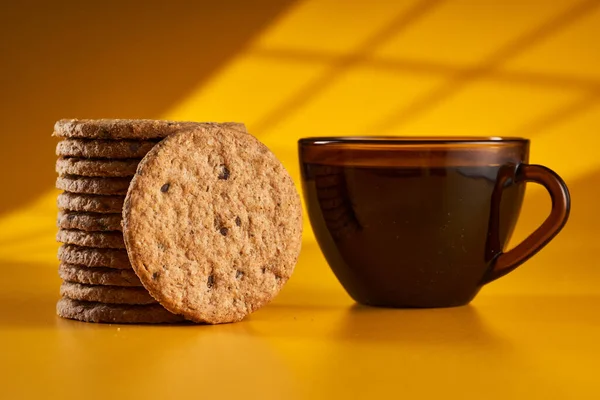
(406, 236)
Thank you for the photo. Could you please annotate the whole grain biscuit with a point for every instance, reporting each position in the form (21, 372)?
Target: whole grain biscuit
(90, 203)
(98, 275)
(93, 222)
(212, 224)
(124, 128)
(111, 149)
(96, 167)
(93, 185)
(106, 294)
(115, 313)
(92, 257)
(102, 240)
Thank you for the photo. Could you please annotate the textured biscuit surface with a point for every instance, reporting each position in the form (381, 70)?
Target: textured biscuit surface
(115, 313)
(102, 240)
(93, 222)
(86, 148)
(124, 128)
(106, 294)
(92, 257)
(90, 203)
(96, 167)
(93, 185)
(98, 276)
(212, 224)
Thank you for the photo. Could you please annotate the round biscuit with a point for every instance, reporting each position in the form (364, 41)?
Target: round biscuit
(116, 129)
(97, 167)
(93, 185)
(93, 257)
(212, 223)
(90, 203)
(111, 149)
(93, 222)
(102, 240)
(106, 294)
(98, 275)
(115, 313)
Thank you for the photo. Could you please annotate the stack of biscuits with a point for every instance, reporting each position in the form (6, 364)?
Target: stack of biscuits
(96, 162)
(205, 226)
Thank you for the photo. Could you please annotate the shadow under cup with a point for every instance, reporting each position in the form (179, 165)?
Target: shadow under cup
(422, 222)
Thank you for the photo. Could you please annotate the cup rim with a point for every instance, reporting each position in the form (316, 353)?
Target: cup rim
(410, 140)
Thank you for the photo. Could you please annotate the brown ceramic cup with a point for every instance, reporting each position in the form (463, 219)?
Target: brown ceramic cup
(423, 222)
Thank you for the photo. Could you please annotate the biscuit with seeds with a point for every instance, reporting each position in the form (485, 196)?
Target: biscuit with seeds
(111, 149)
(102, 240)
(96, 167)
(106, 294)
(93, 185)
(212, 223)
(90, 203)
(98, 275)
(113, 129)
(115, 313)
(93, 257)
(93, 222)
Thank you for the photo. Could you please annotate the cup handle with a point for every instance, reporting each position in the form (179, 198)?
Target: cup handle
(561, 206)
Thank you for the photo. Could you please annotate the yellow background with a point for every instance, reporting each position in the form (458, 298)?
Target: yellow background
(290, 69)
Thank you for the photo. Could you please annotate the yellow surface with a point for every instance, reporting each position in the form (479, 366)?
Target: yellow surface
(305, 68)
(514, 341)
